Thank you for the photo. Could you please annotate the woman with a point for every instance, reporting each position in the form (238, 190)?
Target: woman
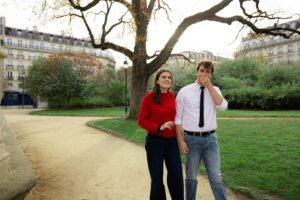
(156, 116)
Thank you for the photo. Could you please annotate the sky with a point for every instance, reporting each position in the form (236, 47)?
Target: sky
(218, 38)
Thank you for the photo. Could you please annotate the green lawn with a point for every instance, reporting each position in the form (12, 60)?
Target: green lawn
(258, 113)
(119, 112)
(258, 155)
(113, 112)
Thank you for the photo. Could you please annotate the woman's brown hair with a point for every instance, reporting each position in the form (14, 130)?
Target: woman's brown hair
(156, 88)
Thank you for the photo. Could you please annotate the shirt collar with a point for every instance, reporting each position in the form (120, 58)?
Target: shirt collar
(196, 84)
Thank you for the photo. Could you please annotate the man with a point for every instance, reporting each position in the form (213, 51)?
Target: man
(198, 123)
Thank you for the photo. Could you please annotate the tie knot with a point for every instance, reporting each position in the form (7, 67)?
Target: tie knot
(201, 88)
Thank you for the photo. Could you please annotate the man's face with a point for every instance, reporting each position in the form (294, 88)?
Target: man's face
(202, 72)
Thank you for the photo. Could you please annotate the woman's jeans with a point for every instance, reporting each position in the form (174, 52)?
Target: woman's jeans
(160, 149)
(205, 148)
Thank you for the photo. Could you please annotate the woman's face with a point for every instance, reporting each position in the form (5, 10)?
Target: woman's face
(165, 80)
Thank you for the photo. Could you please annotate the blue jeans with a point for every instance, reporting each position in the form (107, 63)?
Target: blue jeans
(206, 149)
(158, 150)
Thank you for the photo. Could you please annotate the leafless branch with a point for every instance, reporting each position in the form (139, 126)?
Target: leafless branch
(76, 5)
(165, 7)
(276, 30)
(181, 55)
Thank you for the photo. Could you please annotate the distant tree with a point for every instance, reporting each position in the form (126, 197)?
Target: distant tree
(54, 80)
(245, 70)
(85, 65)
(136, 16)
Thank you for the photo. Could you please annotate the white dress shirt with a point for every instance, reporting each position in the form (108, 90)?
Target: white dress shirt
(188, 105)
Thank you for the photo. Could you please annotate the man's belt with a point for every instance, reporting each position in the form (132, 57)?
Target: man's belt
(201, 134)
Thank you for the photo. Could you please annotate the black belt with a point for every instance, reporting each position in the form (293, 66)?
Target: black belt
(202, 134)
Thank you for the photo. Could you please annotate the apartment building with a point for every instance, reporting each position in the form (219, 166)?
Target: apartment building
(21, 47)
(274, 49)
(195, 57)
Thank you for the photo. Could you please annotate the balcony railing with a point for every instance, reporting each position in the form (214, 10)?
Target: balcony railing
(20, 56)
(9, 67)
(10, 55)
(9, 77)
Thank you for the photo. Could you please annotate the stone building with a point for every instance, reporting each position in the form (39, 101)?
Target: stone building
(195, 57)
(21, 47)
(276, 49)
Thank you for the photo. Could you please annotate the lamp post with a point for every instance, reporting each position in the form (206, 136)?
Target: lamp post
(125, 64)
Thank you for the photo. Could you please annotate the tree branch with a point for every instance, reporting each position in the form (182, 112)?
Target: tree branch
(276, 30)
(106, 45)
(201, 16)
(83, 8)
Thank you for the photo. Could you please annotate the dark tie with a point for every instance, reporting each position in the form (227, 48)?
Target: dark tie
(201, 119)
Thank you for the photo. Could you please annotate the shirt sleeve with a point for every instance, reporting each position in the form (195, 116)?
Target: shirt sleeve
(224, 104)
(179, 108)
(144, 116)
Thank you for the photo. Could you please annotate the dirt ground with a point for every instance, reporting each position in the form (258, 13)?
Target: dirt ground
(75, 162)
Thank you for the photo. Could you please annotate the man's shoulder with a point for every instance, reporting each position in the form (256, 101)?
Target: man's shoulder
(188, 87)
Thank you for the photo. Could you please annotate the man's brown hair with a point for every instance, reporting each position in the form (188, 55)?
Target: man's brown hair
(207, 65)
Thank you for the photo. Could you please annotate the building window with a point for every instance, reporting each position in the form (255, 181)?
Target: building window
(10, 75)
(31, 44)
(51, 38)
(20, 54)
(42, 45)
(9, 42)
(59, 39)
(290, 48)
(32, 56)
(52, 47)
(10, 53)
(20, 43)
(60, 47)
(19, 33)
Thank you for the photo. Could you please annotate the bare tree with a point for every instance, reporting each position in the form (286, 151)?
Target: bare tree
(137, 14)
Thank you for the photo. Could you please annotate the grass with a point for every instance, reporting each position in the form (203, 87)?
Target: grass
(127, 129)
(261, 154)
(119, 112)
(258, 113)
(112, 112)
(258, 155)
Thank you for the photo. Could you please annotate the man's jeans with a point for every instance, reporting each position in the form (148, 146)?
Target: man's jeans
(205, 148)
(158, 150)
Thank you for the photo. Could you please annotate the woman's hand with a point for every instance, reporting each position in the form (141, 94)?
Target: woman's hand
(167, 125)
(183, 147)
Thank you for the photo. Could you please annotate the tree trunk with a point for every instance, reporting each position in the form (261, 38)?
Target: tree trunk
(139, 84)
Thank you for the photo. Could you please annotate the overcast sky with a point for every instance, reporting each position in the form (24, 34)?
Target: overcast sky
(215, 37)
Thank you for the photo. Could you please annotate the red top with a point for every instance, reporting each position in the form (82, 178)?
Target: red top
(153, 115)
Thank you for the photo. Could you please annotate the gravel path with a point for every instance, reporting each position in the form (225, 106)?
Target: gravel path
(75, 162)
